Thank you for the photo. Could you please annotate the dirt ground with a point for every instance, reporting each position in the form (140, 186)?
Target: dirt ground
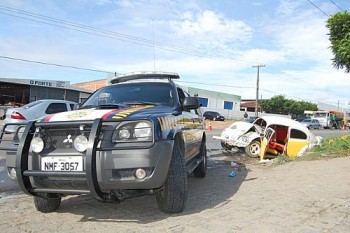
(218, 124)
(306, 196)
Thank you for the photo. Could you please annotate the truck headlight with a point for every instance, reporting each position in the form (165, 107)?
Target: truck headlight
(124, 133)
(80, 143)
(37, 145)
(143, 130)
(135, 131)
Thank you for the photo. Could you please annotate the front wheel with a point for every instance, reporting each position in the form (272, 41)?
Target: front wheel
(46, 205)
(172, 198)
(253, 149)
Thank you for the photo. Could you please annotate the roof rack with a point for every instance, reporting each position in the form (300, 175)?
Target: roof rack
(144, 75)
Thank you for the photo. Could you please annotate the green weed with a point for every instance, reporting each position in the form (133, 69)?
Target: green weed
(330, 148)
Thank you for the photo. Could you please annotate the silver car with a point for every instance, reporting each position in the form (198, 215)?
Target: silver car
(35, 110)
(311, 123)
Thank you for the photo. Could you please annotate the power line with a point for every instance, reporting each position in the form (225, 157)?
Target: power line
(115, 73)
(112, 35)
(54, 64)
(336, 5)
(291, 78)
(104, 71)
(212, 84)
(318, 8)
(119, 36)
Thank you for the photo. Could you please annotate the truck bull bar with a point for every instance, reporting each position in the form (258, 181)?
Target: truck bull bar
(23, 173)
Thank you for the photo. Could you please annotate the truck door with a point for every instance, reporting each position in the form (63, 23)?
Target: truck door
(189, 131)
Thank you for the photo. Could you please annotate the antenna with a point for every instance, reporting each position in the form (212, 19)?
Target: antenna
(154, 53)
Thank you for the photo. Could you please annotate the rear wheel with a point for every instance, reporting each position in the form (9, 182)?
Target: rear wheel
(46, 205)
(172, 198)
(201, 169)
(253, 149)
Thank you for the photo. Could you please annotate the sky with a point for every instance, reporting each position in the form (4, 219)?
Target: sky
(212, 44)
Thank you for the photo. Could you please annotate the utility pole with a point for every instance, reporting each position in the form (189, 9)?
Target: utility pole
(257, 89)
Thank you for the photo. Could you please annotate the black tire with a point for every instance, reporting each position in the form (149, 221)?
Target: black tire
(253, 149)
(172, 198)
(46, 205)
(201, 169)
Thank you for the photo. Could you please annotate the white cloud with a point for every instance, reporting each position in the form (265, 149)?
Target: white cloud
(262, 56)
(300, 33)
(288, 7)
(212, 30)
(305, 39)
(289, 37)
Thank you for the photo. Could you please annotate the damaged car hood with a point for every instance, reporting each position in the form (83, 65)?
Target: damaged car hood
(240, 134)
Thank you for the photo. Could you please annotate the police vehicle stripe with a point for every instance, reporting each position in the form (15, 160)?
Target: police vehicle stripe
(168, 122)
(125, 113)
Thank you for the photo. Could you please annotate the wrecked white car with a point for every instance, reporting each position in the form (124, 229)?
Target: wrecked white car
(269, 135)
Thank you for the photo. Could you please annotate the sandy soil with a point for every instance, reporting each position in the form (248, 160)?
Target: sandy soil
(306, 196)
(218, 124)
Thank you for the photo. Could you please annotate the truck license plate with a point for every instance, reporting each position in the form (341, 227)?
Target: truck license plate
(62, 163)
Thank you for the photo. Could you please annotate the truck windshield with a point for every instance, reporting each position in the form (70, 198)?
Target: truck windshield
(320, 114)
(132, 94)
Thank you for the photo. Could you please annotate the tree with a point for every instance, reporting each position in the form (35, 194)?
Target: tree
(339, 35)
(274, 105)
(280, 105)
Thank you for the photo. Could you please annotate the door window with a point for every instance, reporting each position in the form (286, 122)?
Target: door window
(297, 134)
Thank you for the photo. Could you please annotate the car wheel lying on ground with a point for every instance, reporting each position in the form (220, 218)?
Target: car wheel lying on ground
(127, 139)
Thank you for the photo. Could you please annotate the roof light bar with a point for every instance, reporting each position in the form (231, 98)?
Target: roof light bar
(144, 75)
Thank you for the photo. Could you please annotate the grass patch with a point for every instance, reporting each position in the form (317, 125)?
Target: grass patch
(281, 159)
(333, 147)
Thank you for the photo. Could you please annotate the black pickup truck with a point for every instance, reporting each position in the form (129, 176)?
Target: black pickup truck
(143, 134)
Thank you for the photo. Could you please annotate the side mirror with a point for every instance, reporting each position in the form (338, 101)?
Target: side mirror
(190, 103)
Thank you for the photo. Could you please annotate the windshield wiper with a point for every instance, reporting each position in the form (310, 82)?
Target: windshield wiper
(138, 103)
(108, 106)
(87, 106)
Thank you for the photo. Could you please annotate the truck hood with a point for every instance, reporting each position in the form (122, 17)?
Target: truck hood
(143, 111)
